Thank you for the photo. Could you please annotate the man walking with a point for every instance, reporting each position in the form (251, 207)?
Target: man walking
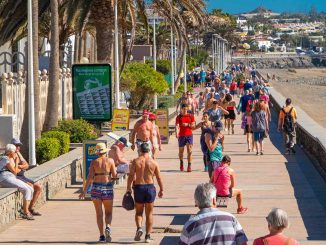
(142, 172)
(209, 225)
(142, 132)
(286, 122)
(184, 124)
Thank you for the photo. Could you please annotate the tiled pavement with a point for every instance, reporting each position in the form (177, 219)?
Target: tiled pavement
(272, 180)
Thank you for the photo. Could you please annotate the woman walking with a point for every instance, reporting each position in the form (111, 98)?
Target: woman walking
(247, 126)
(157, 145)
(205, 126)
(214, 141)
(224, 181)
(259, 127)
(100, 174)
(230, 105)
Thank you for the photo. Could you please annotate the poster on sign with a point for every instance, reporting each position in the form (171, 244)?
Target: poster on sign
(120, 121)
(162, 121)
(89, 154)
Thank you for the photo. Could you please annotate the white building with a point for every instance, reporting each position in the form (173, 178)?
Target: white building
(263, 43)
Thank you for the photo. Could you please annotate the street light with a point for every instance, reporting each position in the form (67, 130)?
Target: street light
(116, 56)
(31, 116)
(154, 55)
(172, 51)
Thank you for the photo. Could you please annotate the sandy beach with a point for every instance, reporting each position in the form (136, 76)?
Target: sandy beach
(306, 87)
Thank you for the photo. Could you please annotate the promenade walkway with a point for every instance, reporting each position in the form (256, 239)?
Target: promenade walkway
(272, 180)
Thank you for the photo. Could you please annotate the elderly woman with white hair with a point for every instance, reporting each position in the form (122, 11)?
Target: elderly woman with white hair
(8, 179)
(277, 220)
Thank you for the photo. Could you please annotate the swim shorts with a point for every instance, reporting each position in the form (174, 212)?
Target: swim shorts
(259, 136)
(102, 191)
(144, 193)
(185, 140)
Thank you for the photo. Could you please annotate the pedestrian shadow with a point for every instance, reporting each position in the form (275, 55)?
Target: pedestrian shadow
(178, 219)
(48, 242)
(309, 187)
(169, 240)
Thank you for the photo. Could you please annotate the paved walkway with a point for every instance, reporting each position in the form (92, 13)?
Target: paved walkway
(272, 180)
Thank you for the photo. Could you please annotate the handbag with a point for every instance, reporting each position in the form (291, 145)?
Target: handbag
(128, 202)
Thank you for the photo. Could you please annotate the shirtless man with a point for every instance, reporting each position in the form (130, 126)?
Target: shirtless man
(142, 132)
(189, 102)
(117, 154)
(142, 172)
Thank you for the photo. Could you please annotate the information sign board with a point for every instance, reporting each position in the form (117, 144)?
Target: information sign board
(92, 95)
(162, 121)
(120, 121)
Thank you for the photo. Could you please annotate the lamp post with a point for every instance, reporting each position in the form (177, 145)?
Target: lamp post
(154, 56)
(172, 51)
(246, 46)
(31, 116)
(116, 56)
(185, 70)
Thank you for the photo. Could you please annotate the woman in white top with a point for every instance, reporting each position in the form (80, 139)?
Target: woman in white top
(156, 136)
(8, 179)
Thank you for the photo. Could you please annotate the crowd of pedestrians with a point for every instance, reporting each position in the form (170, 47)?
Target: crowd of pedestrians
(221, 101)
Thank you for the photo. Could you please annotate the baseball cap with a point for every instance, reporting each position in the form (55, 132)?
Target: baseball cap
(124, 141)
(152, 116)
(15, 141)
(218, 125)
(145, 113)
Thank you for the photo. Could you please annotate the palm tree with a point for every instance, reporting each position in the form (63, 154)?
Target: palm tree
(51, 117)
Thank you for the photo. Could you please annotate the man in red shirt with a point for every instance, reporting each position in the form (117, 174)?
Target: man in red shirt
(184, 124)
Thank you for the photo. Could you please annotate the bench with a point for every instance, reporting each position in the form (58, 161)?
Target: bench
(222, 202)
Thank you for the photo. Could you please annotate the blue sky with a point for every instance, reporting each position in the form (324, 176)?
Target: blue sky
(240, 6)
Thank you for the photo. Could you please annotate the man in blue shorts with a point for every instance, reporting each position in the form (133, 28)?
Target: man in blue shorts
(184, 124)
(142, 172)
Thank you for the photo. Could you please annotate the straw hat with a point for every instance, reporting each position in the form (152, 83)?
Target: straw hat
(101, 148)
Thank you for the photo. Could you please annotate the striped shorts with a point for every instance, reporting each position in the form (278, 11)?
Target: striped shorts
(102, 191)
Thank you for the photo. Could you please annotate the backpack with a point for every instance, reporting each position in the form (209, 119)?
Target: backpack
(288, 124)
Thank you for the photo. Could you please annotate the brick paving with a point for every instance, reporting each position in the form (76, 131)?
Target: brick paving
(272, 180)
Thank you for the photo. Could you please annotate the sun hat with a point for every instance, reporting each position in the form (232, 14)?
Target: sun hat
(145, 113)
(101, 148)
(15, 141)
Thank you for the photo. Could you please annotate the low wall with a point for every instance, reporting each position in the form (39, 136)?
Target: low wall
(310, 135)
(54, 176)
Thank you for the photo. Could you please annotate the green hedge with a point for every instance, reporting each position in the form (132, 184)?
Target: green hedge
(165, 102)
(63, 138)
(47, 149)
(78, 130)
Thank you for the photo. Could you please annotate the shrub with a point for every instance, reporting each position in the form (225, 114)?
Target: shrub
(163, 66)
(165, 102)
(63, 137)
(47, 149)
(78, 130)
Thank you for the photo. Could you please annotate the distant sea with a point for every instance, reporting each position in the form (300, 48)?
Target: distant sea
(240, 6)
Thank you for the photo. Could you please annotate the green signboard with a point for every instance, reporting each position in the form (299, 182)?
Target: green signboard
(92, 92)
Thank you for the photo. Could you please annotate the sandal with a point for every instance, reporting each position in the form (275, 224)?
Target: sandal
(241, 210)
(34, 213)
(27, 216)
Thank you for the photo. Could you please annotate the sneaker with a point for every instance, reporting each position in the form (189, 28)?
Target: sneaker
(148, 238)
(261, 153)
(181, 167)
(108, 234)
(206, 169)
(257, 153)
(34, 213)
(189, 169)
(233, 131)
(249, 150)
(241, 210)
(139, 233)
(102, 239)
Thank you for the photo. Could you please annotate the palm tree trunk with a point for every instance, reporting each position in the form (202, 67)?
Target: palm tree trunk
(76, 56)
(51, 117)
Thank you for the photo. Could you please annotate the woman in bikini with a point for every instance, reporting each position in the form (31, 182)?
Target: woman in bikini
(101, 172)
(224, 181)
(230, 105)
(157, 146)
